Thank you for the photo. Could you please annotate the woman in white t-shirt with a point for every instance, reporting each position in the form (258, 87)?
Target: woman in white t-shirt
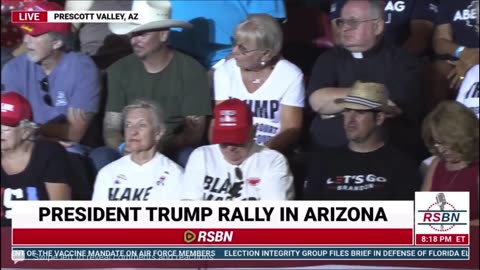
(144, 174)
(271, 86)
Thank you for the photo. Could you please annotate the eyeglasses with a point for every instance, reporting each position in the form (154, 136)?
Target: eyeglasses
(352, 23)
(46, 89)
(241, 48)
(234, 190)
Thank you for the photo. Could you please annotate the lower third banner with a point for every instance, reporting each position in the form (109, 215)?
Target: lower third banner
(237, 253)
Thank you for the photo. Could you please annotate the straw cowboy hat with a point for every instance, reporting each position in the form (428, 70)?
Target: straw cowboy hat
(154, 14)
(367, 96)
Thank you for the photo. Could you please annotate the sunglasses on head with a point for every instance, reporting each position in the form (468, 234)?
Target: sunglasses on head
(46, 89)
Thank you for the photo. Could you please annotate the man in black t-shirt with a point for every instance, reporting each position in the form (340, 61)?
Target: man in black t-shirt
(368, 168)
(365, 57)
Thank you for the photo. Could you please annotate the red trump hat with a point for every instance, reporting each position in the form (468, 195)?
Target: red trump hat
(233, 122)
(37, 29)
(15, 108)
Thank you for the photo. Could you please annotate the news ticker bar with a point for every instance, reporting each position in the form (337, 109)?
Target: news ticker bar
(251, 253)
(213, 237)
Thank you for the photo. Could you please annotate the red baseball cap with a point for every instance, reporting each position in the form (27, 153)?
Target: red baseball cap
(15, 108)
(233, 122)
(36, 29)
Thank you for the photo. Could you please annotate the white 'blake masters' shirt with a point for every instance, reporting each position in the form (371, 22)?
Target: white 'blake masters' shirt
(124, 180)
(468, 92)
(265, 176)
(284, 86)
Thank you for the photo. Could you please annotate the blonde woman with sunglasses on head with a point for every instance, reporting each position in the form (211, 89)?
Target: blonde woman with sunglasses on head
(271, 86)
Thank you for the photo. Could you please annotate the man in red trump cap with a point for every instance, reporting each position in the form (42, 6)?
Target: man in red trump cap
(61, 85)
(235, 167)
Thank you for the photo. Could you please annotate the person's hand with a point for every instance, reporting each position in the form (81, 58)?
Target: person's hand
(457, 74)
(66, 144)
(470, 56)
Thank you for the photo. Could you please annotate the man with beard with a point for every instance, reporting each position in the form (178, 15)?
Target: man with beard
(368, 168)
(174, 80)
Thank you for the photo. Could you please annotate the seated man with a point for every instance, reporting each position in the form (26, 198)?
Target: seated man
(235, 167)
(364, 56)
(408, 24)
(145, 174)
(61, 85)
(174, 80)
(368, 168)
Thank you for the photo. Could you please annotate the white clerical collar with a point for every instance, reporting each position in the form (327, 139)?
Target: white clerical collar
(357, 55)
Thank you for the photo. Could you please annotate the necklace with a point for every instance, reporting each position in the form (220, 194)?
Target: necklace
(452, 180)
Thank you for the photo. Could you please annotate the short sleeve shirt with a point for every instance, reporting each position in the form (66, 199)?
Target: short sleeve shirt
(265, 175)
(181, 88)
(284, 86)
(48, 164)
(72, 83)
(461, 15)
(124, 180)
(342, 174)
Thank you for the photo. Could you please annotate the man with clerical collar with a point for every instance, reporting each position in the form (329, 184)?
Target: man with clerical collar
(363, 56)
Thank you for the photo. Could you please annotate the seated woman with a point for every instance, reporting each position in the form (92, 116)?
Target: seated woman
(451, 133)
(31, 170)
(271, 86)
(144, 174)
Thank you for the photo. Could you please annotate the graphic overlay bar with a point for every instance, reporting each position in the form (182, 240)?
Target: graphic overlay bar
(324, 253)
(212, 237)
(442, 218)
(76, 17)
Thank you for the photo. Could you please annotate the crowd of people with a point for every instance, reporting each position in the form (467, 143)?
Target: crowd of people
(198, 103)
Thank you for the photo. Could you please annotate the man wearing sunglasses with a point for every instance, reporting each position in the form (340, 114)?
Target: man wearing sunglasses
(61, 85)
(235, 167)
(364, 56)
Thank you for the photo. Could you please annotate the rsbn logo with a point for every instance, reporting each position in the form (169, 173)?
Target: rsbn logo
(441, 215)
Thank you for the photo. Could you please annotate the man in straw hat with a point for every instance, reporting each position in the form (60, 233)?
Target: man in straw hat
(235, 167)
(368, 168)
(174, 80)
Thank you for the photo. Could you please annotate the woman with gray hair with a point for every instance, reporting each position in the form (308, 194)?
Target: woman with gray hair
(271, 86)
(144, 174)
(31, 170)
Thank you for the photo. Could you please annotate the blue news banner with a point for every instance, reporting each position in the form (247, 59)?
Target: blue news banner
(240, 253)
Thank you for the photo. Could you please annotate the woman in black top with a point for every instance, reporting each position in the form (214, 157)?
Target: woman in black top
(31, 170)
